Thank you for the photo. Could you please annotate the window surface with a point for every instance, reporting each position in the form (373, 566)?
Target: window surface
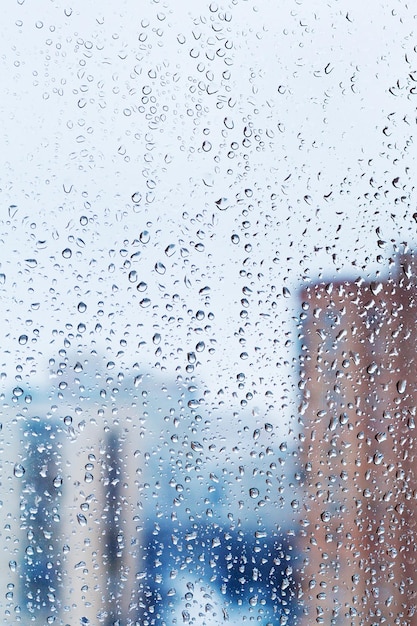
(208, 305)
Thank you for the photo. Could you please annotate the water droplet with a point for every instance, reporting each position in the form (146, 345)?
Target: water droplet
(160, 268)
(17, 392)
(378, 458)
(67, 253)
(401, 386)
(196, 446)
(12, 566)
(145, 237)
(57, 482)
(18, 470)
(136, 197)
(169, 250)
(156, 339)
(82, 307)
(145, 303)
(222, 204)
(142, 286)
(31, 262)
(235, 239)
(23, 339)
(81, 519)
(200, 346)
(133, 276)
(326, 516)
(253, 492)
(206, 146)
(376, 288)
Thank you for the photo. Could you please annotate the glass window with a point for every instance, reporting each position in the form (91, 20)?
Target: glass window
(207, 295)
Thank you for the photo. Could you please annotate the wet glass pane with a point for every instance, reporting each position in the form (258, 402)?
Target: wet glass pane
(207, 295)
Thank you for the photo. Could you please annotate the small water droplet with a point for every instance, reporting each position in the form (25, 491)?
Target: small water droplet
(82, 307)
(81, 519)
(376, 288)
(18, 470)
(378, 458)
(136, 197)
(57, 482)
(222, 204)
(253, 492)
(144, 303)
(160, 268)
(67, 253)
(145, 237)
(23, 339)
(401, 386)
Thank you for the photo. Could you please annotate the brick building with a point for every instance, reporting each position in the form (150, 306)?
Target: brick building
(358, 406)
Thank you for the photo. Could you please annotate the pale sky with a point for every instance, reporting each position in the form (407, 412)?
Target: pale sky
(122, 128)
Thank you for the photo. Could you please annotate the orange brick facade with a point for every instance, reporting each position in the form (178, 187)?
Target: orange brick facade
(358, 408)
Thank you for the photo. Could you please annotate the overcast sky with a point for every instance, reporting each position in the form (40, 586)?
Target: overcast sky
(175, 157)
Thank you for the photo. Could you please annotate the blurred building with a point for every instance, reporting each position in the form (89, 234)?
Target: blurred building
(359, 396)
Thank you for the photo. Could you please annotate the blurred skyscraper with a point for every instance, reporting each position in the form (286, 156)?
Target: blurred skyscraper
(358, 527)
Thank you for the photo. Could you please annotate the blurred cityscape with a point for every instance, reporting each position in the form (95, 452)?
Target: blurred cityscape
(122, 505)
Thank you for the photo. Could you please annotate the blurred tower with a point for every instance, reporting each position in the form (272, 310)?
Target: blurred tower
(358, 358)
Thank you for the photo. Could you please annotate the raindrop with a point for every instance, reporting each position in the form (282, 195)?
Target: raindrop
(57, 482)
(235, 239)
(169, 250)
(67, 253)
(136, 197)
(401, 385)
(253, 492)
(82, 307)
(376, 288)
(18, 470)
(81, 519)
(17, 392)
(378, 458)
(144, 237)
(160, 268)
(222, 204)
(23, 339)
(133, 276)
(144, 303)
